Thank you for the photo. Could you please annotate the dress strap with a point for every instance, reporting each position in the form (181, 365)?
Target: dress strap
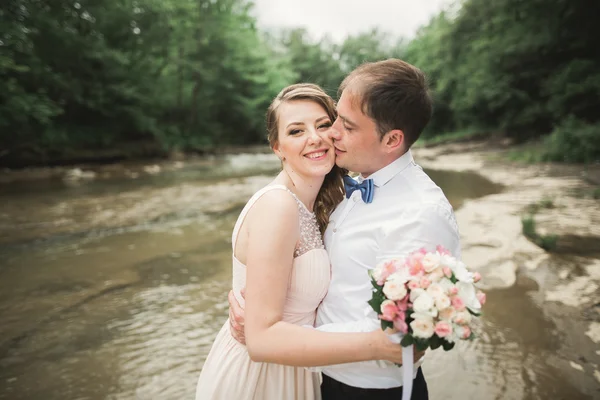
(249, 205)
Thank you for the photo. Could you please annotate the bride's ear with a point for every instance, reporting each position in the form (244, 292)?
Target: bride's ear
(277, 152)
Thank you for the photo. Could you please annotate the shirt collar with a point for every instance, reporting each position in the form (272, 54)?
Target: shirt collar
(385, 174)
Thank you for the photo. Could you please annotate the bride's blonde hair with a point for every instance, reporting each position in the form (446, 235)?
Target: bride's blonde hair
(332, 190)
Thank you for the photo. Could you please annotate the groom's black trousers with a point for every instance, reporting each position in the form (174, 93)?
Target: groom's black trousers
(334, 390)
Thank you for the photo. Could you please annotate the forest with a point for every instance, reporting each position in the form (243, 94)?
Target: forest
(97, 80)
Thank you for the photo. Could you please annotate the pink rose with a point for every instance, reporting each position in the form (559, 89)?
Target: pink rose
(415, 267)
(466, 332)
(422, 251)
(424, 282)
(447, 272)
(443, 329)
(453, 290)
(388, 268)
(458, 303)
(481, 297)
(413, 284)
(476, 277)
(442, 250)
(388, 310)
(400, 323)
(402, 304)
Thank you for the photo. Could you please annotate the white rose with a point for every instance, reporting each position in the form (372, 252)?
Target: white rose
(415, 293)
(401, 276)
(467, 292)
(462, 318)
(446, 284)
(449, 261)
(424, 304)
(416, 315)
(422, 328)
(394, 290)
(377, 273)
(430, 261)
(435, 290)
(447, 314)
(458, 332)
(462, 273)
(436, 275)
(442, 302)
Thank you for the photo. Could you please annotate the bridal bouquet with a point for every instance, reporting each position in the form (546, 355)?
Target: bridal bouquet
(429, 297)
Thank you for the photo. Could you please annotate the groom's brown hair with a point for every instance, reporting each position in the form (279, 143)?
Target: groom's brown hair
(394, 94)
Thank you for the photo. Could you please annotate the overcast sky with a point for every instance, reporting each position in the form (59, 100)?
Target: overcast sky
(340, 18)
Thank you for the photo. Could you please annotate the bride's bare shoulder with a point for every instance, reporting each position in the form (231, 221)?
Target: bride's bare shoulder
(276, 206)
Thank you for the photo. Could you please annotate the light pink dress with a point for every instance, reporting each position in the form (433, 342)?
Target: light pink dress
(228, 372)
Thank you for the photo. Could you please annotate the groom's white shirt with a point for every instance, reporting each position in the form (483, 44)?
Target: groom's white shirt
(408, 212)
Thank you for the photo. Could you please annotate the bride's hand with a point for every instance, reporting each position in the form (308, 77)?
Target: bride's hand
(385, 349)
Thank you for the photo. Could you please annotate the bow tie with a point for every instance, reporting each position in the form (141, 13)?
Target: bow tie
(365, 187)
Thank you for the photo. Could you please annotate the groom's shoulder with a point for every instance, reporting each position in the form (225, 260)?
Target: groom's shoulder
(415, 187)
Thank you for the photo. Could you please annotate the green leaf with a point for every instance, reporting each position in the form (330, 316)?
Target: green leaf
(376, 285)
(447, 345)
(421, 344)
(386, 324)
(435, 342)
(407, 340)
(376, 301)
(473, 312)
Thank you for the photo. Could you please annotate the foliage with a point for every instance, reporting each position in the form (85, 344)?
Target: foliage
(93, 75)
(573, 141)
(546, 242)
(519, 66)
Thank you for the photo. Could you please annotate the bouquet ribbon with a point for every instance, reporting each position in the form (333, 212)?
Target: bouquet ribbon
(407, 372)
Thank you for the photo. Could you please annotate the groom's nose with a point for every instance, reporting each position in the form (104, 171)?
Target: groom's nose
(334, 132)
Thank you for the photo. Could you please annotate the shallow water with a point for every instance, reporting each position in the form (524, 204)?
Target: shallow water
(115, 289)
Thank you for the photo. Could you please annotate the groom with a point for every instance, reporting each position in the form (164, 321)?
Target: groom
(383, 108)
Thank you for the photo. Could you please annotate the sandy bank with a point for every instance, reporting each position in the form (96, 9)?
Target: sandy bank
(567, 280)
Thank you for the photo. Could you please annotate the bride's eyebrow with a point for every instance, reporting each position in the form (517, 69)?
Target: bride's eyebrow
(322, 119)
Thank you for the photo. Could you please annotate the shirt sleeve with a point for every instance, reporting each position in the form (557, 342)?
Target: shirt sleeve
(426, 226)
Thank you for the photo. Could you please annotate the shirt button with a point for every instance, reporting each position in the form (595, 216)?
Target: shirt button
(334, 230)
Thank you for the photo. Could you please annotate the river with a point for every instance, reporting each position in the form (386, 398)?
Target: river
(114, 288)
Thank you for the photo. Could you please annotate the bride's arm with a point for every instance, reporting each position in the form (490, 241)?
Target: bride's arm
(273, 230)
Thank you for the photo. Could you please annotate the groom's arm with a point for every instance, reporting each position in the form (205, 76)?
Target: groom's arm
(427, 226)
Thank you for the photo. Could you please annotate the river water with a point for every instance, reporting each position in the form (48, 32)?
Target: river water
(114, 288)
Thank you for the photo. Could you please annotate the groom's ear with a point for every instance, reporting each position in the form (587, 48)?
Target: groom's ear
(393, 140)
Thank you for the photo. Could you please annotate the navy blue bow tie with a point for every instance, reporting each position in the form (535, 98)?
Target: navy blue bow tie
(365, 187)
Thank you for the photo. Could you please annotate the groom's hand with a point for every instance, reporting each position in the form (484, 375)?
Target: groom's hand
(236, 318)
(417, 355)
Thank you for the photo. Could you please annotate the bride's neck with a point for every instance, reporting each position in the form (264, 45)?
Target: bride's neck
(306, 189)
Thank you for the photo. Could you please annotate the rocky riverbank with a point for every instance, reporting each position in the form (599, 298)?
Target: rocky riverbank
(565, 282)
